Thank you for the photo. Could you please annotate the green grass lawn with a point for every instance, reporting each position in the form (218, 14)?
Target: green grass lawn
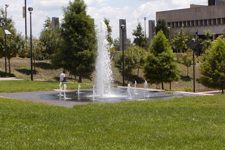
(28, 86)
(180, 123)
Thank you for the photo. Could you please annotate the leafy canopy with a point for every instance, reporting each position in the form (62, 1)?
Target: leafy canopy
(77, 53)
(213, 68)
(160, 65)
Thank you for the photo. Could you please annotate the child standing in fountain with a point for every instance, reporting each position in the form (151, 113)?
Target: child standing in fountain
(62, 77)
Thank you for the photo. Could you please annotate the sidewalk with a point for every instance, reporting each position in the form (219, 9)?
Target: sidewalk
(8, 78)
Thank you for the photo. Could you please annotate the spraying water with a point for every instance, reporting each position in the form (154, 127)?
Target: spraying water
(103, 64)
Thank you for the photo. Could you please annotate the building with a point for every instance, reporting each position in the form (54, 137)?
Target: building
(197, 18)
(55, 22)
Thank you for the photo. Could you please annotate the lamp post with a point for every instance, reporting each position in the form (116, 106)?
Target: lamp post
(122, 28)
(6, 6)
(25, 1)
(145, 31)
(193, 40)
(31, 54)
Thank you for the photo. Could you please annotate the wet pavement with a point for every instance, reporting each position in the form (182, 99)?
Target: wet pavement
(86, 96)
(41, 97)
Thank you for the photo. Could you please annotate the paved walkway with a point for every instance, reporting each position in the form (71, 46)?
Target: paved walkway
(52, 98)
(41, 97)
(8, 78)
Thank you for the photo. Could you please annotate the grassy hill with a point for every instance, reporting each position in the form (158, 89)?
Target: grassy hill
(20, 68)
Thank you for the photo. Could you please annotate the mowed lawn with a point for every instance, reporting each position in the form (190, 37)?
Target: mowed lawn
(180, 123)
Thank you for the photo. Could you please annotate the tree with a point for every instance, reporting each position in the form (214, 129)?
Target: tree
(116, 44)
(139, 39)
(14, 41)
(109, 30)
(187, 58)
(140, 52)
(50, 37)
(213, 68)
(37, 49)
(78, 51)
(207, 42)
(160, 65)
(161, 25)
(189, 34)
(180, 40)
(130, 62)
(223, 32)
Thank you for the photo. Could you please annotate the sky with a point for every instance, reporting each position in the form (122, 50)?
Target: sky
(131, 10)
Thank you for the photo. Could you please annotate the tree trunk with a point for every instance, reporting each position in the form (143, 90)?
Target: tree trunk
(222, 91)
(34, 64)
(9, 67)
(162, 86)
(187, 71)
(80, 78)
(138, 72)
(128, 79)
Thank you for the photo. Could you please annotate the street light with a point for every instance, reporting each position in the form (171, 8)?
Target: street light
(6, 6)
(123, 27)
(145, 31)
(25, 19)
(193, 41)
(31, 55)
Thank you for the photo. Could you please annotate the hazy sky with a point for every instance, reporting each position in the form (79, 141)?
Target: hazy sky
(131, 10)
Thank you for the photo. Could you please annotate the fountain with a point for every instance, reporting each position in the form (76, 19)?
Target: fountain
(103, 64)
(128, 92)
(135, 87)
(78, 89)
(60, 89)
(103, 90)
(65, 87)
(145, 87)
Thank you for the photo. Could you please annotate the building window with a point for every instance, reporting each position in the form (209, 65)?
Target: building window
(214, 22)
(196, 22)
(188, 23)
(177, 24)
(210, 22)
(205, 22)
(192, 23)
(219, 21)
(185, 23)
(201, 22)
(223, 20)
(168, 24)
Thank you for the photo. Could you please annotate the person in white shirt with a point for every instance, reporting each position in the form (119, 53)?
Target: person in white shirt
(62, 77)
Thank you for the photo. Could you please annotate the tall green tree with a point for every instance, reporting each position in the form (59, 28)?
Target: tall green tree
(139, 39)
(161, 25)
(180, 40)
(109, 30)
(223, 32)
(207, 42)
(130, 62)
(187, 58)
(37, 49)
(140, 53)
(78, 51)
(213, 68)
(116, 44)
(50, 37)
(160, 65)
(189, 34)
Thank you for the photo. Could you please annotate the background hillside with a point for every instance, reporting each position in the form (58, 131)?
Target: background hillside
(20, 68)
